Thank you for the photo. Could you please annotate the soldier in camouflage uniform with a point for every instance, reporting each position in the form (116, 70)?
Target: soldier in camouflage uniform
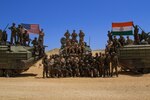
(19, 34)
(41, 37)
(116, 44)
(81, 36)
(67, 34)
(115, 63)
(109, 36)
(129, 41)
(82, 47)
(34, 42)
(136, 35)
(106, 68)
(1, 32)
(45, 66)
(121, 40)
(26, 38)
(13, 33)
(74, 36)
(68, 47)
(4, 37)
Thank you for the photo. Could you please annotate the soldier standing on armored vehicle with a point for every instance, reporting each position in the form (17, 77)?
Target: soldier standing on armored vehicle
(81, 35)
(121, 40)
(1, 32)
(35, 45)
(4, 37)
(128, 41)
(19, 34)
(41, 37)
(115, 44)
(34, 42)
(109, 36)
(136, 35)
(13, 34)
(74, 36)
(67, 35)
(45, 66)
(26, 38)
(115, 63)
(143, 36)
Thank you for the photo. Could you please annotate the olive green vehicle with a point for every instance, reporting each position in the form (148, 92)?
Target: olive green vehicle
(135, 58)
(15, 59)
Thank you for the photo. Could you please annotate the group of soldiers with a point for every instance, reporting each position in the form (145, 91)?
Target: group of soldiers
(74, 62)
(20, 36)
(100, 65)
(113, 43)
(73, 46)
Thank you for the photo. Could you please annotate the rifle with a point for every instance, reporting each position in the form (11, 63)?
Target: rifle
(140, 28)
(6, 27)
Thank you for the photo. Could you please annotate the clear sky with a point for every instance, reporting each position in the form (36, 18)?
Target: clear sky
(94, 17)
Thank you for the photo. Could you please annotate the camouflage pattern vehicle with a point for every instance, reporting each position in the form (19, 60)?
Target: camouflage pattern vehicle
(135, 58)
(15, 59)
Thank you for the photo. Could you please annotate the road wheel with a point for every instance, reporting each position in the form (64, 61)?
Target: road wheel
(8, 73)
(145, 70)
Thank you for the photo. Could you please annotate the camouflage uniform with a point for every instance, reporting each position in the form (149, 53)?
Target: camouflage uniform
(41, 37)
(67, 34)
(26, 38)
(106, 68)
(34, 42)
(68, 47)
(115, 63)
(19, 34)
(1, 35)
(136, 36)
(13, 33)
(129, 41)
(115, 44)
(45, 66)
(81, 36)
(110, 36)
(4, 37)
(121, 40)
(74, 35)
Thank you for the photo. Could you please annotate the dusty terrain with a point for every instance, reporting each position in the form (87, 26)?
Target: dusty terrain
(31, 86)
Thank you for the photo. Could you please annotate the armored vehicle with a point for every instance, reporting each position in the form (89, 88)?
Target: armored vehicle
(15, 59)
(135, 58)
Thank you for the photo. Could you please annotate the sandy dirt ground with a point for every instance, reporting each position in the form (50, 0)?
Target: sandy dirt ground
(31, 86)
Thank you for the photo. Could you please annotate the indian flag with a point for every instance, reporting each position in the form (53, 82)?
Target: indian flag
(124, 28)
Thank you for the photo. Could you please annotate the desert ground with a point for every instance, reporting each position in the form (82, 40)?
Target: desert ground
(31, 86)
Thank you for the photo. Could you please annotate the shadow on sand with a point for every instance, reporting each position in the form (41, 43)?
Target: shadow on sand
(26, 75)
(129, 73)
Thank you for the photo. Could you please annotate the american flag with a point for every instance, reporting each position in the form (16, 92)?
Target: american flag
(32, 28)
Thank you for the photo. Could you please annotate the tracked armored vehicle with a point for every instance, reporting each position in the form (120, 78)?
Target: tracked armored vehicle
(135, 58)
(15, 59)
